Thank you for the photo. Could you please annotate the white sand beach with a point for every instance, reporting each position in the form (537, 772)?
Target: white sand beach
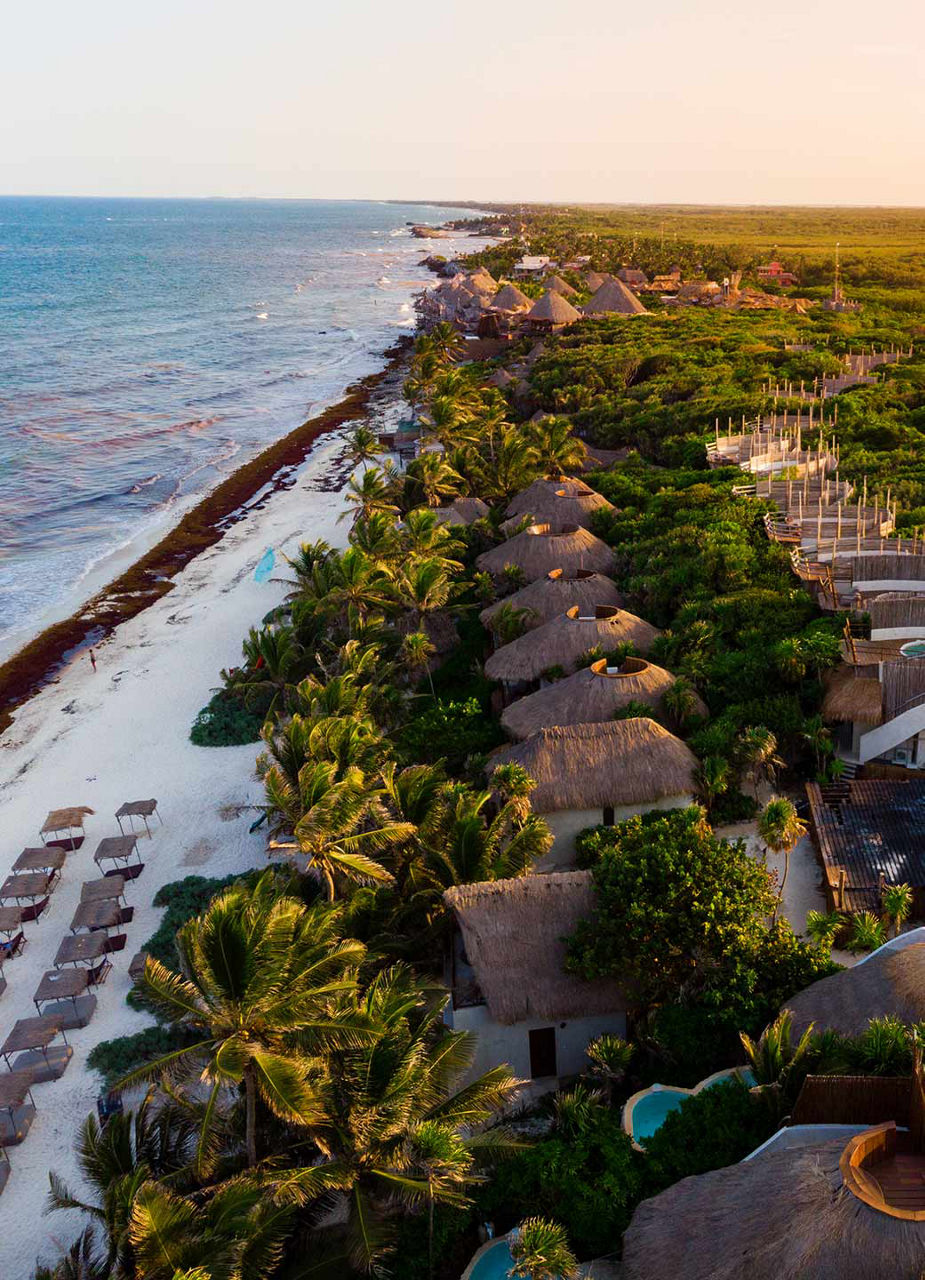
(121, 733)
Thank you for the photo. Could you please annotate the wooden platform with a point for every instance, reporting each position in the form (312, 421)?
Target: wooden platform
(13, 1132)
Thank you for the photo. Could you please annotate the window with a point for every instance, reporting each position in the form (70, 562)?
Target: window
(543, 1053)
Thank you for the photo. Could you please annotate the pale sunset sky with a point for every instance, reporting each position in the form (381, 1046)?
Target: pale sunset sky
(803, 101)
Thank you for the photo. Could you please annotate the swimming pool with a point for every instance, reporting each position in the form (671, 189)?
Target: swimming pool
(646, 1111)
(492, 1262)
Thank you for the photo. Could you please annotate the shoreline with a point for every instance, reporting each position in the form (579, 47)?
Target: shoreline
(40, 660)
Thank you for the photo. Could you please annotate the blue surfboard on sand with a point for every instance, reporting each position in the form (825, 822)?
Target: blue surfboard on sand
(265, 565)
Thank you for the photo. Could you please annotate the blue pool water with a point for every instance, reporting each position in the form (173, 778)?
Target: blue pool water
(650, 1111)
(494, 1264)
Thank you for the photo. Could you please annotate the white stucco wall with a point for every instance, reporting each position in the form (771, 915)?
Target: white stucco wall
(496, 1043)
(567, 823)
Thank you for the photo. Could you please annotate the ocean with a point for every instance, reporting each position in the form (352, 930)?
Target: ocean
(148, 347)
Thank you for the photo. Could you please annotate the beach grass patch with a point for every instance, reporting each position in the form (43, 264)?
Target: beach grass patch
(227, 721)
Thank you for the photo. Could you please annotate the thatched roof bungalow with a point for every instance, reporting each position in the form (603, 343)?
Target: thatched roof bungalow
(888, 983)
(544, 547)
(557, 502)
(511, 299)
(788, 1212)
(587, 774)
(508, 979)
(501, 379)
(633, 277)
(551, 312)
(558, 285)
(553, 594)
(590, 696)
(613, 298)
(462, 511)
(564, 640)
(594, 279)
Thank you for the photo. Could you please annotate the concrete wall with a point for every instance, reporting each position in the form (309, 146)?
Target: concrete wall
(895, 733)
(497, 1043)
(568, 823)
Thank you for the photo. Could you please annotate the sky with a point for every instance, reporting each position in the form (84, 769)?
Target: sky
(682, 101)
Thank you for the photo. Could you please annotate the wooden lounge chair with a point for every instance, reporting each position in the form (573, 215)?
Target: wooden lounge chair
(12, 948)
(35, 909)
(116, 942)
(126, 915)
(99, 973)
(131, 872)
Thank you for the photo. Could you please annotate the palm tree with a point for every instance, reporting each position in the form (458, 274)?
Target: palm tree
(867, 932)
(357, 582)
(273, 657)
(363, 446)
(394, 1131)
(260, 981)
(818, 737)
(681, 701)
(540, 1250)
(377, 537)
(557, 451)
(822, 926)
(610, 1059)
(897, 905)
(446, 342)
(790, 659)
(424, 587)
(509, 623)
(436, 478)
(781, 829)
(368, 495)
(713, 778)
(756, 747)
(417, 649)
(424, 537)
(773, 1058)
(303, 564)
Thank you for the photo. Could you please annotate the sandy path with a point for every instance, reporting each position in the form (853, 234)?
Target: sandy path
(119, 734)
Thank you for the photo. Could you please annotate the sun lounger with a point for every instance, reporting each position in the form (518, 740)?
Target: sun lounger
(116, 942)
(35, 909)
(12, 947)
(98, 975)
(33, 1040)
(17, 1108)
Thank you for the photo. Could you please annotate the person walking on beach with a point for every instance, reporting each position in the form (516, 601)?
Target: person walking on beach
(92, 660)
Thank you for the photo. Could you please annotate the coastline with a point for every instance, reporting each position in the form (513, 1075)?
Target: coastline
(150, 577)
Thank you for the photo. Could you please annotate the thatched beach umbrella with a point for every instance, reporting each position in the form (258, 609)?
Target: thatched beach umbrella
(514, 931)
(853, 696)
(544, 547)
(589, 696)
(558, 502)
(511, 299)
(553, 594)
(560, 286)
(889, 983)
(462, 511)
(599, 766)
(784, 1214)
(614, 298)
(552, 311)
(564, 640)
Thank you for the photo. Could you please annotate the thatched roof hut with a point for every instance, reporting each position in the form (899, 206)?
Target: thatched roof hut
(560, 286)
(552, 311)
(594, 279)
(482, 281)
(564, 640)
(590, 696)
(613, 298)
(462, 511)
(558, 502)
(501, 379)
(633, 277)
(513, 932)
(785, 1214)
(553, 594)
(544, 547)
(511, 299)
(599, 766)
(853, 696)
(889, 982)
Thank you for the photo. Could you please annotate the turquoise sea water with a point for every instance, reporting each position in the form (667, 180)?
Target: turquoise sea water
(150, 346)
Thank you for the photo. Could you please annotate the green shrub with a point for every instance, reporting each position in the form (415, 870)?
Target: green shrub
(183, 899)
(116, 1058)
(710, 1130)
(227, 722)
(448, 730)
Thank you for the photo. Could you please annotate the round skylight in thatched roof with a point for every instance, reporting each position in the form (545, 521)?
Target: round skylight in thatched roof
(590, 696)
(596, 766)
(564, 640)
(558, 502)
(784, 1214)
(552, 594)
(543, 547)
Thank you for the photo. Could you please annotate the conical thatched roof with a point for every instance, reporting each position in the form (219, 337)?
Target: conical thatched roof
(852, 697)
(462, 511)
(560, 286)
(513, 932)
(891, 981)
(549, 596)
(510, 298)
(564, 640)
(613, 297)
(594, 279)
(482, 281)
(544, 547)
(557, 502)
(596, 766)
(501, 379)
(552, 308)
(785, 1214)
(588, 697)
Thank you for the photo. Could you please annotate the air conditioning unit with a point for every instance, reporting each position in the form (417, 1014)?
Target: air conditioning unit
(901, 756)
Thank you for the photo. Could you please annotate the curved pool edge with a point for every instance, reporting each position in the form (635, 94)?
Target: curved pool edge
(480, 1253)
(728, 1073)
